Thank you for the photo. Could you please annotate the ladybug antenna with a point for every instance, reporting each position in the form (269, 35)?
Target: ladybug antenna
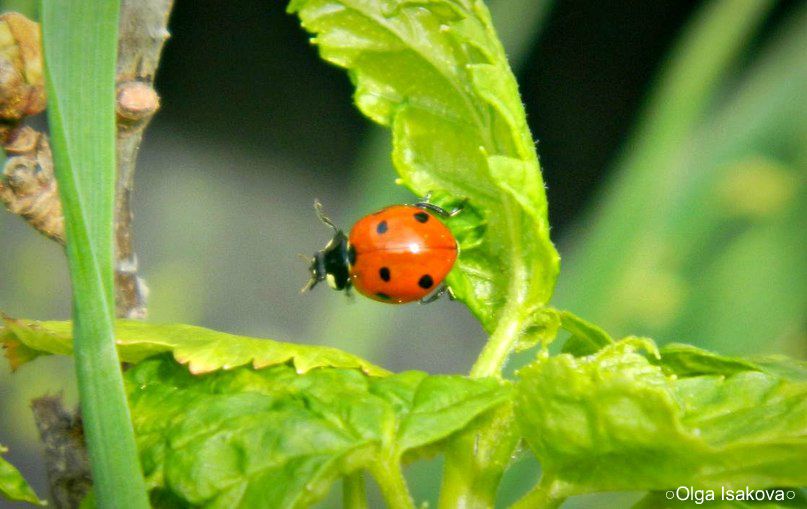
(322, 217)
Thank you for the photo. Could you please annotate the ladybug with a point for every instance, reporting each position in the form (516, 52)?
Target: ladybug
(399, 254)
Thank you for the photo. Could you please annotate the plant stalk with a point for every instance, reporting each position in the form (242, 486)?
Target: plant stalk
(476, 461)
(393, 486)
(547, 494)
(354, 491)
(500, 344)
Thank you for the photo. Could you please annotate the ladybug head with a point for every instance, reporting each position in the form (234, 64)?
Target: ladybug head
(331, 264)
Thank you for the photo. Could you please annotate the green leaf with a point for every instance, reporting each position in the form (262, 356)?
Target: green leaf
(80, 42)
(782, 366)
(277, 438)
(16, 352)
(616, 421)
(443, 405)
(688, 360)
(586, 337)
(436, 73)
(543, 327)
(12, 484)
(203, 350)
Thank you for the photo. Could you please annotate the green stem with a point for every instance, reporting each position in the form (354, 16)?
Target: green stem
(393, 486)
(549, 493)
(354, 492)
(476, 461)
(500, 344)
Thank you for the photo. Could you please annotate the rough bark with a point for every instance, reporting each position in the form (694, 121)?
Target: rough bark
(68, 466)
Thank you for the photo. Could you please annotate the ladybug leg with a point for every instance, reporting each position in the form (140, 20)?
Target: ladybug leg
(443, 290)
(431, 298)
(426, 205)
(456, 210)
(351, 297)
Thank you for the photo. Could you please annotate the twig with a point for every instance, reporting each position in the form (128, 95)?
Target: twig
(66, 458)
(143, 32)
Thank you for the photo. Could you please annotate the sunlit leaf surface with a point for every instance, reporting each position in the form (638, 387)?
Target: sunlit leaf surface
(276, 438)
(631, 418)
(203, 350)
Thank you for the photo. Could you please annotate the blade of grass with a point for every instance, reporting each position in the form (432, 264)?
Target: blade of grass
(80, 46)
(746, 289)
(706, 270)
(28, 8)
(694, 76)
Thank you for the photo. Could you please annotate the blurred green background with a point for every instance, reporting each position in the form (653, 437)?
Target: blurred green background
(673, 140)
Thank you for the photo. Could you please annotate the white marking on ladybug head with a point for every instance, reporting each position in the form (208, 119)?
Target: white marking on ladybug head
(331, 280)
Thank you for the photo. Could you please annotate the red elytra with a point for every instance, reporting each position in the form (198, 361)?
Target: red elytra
(400, 254)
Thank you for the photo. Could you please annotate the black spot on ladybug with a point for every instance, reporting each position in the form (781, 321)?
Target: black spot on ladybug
(351, 255)
(384, 273)
(383, 296)
(426, 281)
(421, 217)
(381, 227)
